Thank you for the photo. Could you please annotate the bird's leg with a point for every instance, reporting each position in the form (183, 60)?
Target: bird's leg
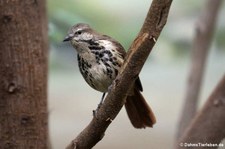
(103, 96)
(99, 105)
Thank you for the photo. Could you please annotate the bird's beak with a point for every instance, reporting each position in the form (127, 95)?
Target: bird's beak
(67, 38)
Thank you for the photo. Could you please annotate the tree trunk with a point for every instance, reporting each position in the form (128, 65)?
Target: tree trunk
(23, 74)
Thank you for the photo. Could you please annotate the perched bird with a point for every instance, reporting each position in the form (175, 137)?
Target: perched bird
(100, 58)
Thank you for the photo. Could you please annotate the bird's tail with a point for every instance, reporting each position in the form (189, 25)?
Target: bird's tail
(138, 111)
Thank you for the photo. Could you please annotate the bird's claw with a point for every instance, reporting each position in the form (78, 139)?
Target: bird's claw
(96, 111)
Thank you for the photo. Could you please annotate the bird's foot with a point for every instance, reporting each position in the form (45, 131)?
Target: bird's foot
(99, 105)
(96, 111)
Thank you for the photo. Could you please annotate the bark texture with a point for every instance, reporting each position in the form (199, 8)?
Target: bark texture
(23, 74)
(203, 38)
(135, 59)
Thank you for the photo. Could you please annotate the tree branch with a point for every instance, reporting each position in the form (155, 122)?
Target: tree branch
(202, 41)
(136, 57)
(208, 126)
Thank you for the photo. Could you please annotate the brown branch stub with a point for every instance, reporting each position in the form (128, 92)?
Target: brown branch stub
(208, 126)
(134, 62)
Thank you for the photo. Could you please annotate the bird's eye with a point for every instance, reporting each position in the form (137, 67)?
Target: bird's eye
(78, 32)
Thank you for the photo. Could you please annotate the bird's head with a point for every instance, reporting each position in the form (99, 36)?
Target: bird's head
(79, 35)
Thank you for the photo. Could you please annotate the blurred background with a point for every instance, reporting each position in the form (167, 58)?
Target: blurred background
(164, 75)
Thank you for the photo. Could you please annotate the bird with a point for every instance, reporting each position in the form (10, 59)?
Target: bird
(100, 58)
